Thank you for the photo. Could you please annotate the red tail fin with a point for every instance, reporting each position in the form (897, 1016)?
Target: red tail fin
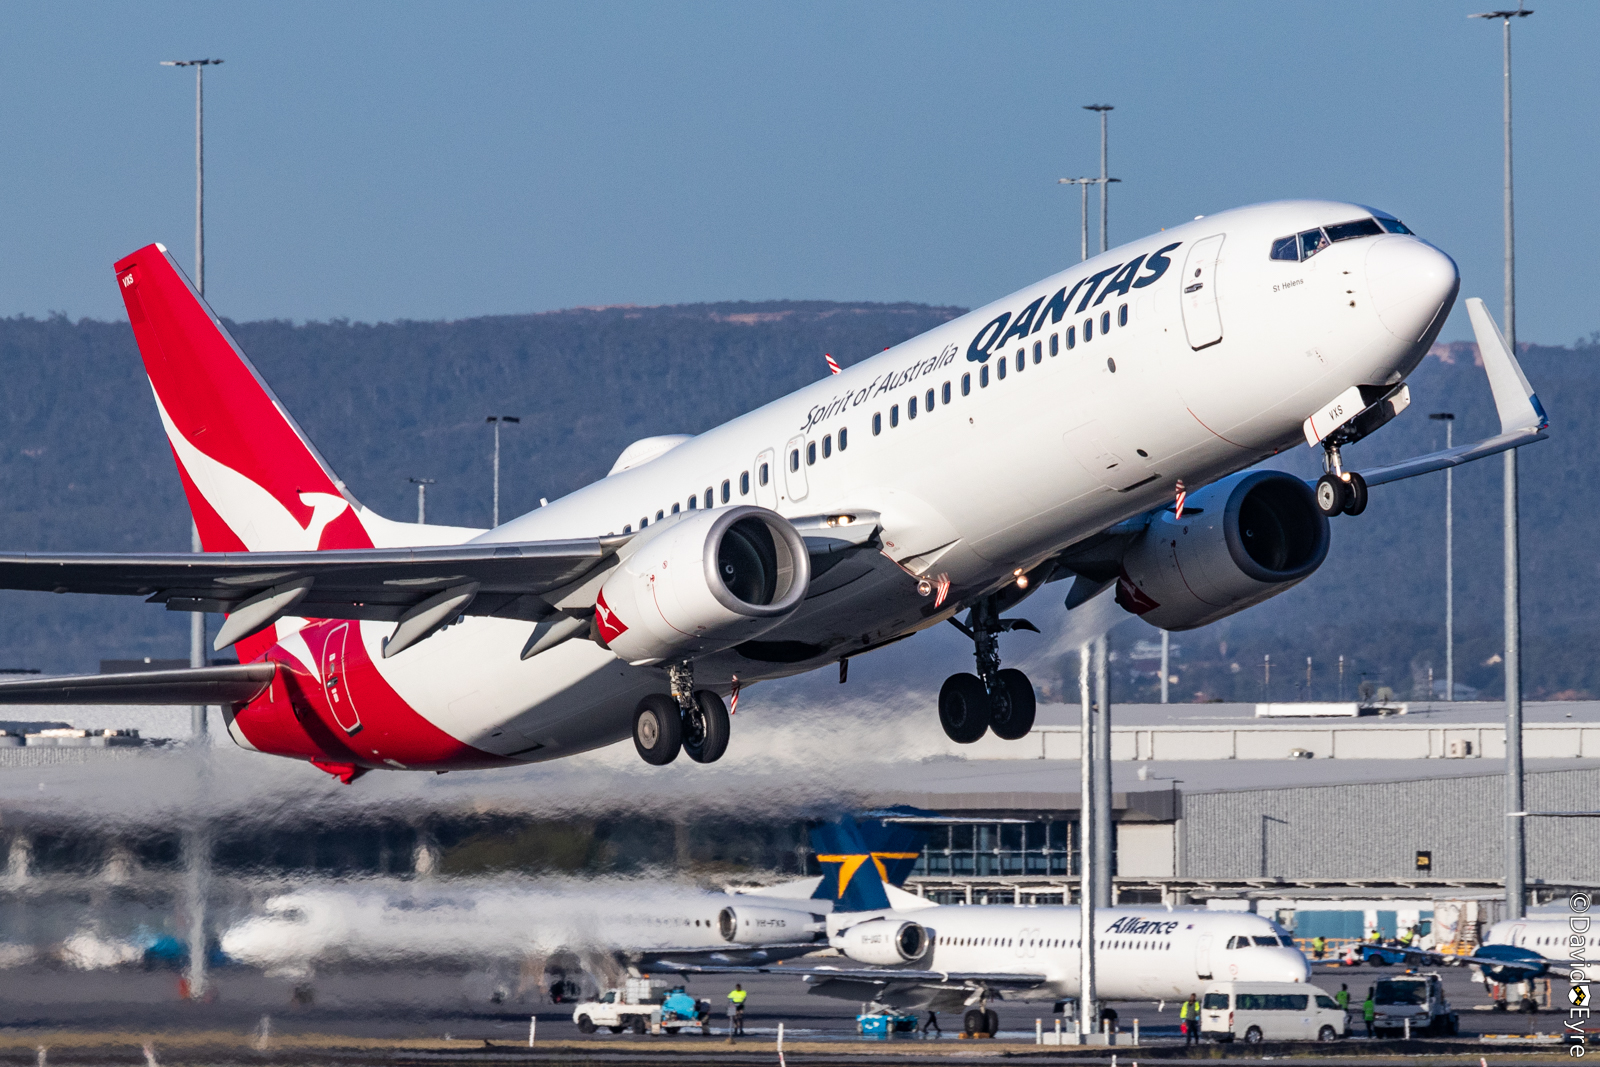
(253, 480)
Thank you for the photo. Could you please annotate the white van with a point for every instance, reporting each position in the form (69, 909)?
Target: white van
(1270, 1011)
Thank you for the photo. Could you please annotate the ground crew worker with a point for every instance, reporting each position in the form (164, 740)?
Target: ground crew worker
(736, 1001)
(1189, 1019)
(1406, 938)
(1319, 946)
(1342, 998)
(933, 1021)
(1369, 1011)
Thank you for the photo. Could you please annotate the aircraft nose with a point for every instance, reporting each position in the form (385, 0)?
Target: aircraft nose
(1412, 284)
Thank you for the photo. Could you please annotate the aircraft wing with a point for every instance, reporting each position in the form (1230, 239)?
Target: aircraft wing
(1002, 980)
(236, 683)
(362, 583)
(1507, 958)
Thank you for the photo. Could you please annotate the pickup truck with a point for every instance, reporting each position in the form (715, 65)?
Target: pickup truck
(639, 1006)
(1416, 996)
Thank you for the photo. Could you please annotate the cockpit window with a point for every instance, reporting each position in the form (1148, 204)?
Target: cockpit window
(1304, 245)
(1266, 942)
(1344, 231)
(1312, 242)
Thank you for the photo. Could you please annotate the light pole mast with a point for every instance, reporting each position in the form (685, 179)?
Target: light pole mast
(1086, 863)
(1105, 175)
(1449, 420)
(495, 421)
(197, 621)
(422, 498)
(1516, 874)
(1083, 186)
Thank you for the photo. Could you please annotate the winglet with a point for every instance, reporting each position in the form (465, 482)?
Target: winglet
(1514, 398)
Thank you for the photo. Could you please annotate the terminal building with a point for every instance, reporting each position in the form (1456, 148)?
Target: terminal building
(1331, 824)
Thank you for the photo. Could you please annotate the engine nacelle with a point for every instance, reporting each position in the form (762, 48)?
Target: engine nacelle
(883, 942)
(744, 924)
(1240, 541)
(705, 583)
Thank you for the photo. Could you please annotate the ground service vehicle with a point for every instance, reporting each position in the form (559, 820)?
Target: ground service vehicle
(637, 1006)
(1255, 1012)
(1417, 997)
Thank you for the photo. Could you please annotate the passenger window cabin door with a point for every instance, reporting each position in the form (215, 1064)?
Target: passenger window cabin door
(765, 478)
(1202, 319)
(335, 683)
(794, 468)
(1202, 957)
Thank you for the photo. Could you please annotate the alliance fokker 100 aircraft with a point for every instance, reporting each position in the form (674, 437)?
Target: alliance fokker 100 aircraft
(1046, 435)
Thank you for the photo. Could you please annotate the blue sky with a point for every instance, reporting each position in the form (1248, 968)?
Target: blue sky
(381, 161)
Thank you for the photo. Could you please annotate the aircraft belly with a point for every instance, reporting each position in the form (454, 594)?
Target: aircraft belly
(471, 681)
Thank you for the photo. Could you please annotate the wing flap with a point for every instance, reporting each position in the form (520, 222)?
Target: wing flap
(231, 684)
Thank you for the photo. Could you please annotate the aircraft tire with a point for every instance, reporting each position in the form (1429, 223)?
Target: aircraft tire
(1017, 719)
(1355, 501)
(963, 708)
(973, 1022)
(991, 1022)
(1332, 495)
(586, 1025)
(658, 729)
(705, 730)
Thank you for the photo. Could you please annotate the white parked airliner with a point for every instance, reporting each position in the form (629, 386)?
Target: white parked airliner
(1050, 434)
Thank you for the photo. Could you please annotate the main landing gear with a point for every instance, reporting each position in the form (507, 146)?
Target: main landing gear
(690, 720)
(1339, 491)
(993, 699)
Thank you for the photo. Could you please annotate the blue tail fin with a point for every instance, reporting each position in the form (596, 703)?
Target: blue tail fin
(858, 856)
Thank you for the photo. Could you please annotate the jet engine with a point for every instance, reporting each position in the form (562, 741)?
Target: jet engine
(704, 583)
(883, 942)
(1240, 541)
(747, 925)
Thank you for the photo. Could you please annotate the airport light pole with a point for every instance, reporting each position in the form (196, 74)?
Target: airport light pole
(1083, 187)
(1104, 895)
(1086, 864)
(1166, 652)
(422, 498)
(495, 421)
(1105, 178)
(1449, 420)
(197, 621)
(1516, 873)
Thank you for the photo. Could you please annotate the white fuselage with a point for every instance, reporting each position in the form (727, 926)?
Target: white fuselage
(1152, 953)
(974, 482)
(1565, 940)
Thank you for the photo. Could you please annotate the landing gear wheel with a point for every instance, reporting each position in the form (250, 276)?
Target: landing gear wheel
(705, 729)
(1356, 500)
(973, 1021)
(1332, 495)
(991, 1022)
(963, 708)
(658, 729)
(1013, 721)
(586, 1025)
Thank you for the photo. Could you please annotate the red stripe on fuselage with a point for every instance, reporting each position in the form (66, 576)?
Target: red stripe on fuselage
(302, 721)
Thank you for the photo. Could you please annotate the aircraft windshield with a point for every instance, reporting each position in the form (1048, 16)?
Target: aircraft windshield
(1302, 246)
(1393, 992)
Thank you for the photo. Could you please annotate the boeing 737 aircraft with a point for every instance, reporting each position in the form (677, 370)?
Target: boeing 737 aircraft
(1096, 425)
(932, 957)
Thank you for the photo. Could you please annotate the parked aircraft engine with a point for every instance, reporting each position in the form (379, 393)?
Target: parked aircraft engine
(1240, 541)
(704, 583)
(748, 925)
(883, 942)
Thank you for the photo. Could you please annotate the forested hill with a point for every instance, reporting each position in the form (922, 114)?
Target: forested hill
(84, 466)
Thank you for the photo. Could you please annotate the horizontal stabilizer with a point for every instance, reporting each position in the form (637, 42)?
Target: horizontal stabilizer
(232, 684)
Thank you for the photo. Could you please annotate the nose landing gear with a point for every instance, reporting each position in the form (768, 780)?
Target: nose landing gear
(692, 721)
(1339, 491)
(994, 699)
